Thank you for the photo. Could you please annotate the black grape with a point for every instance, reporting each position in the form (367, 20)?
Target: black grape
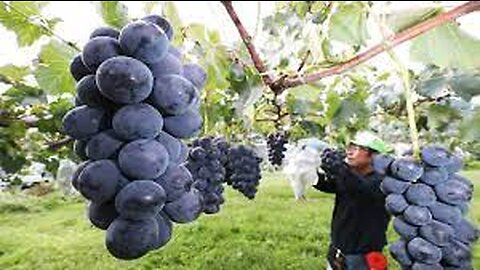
(435, 156)
(77, 172)
(185, 209)
(105, 31)
(89, 94)
(143, 159)
(101, 215)
(137, 121)
(160, 22)
(171, 102)
(98, 181)
(170, 64)
(176, 181)
(437, 233)
(420, 194)
(404, 229)
(124, 80)
(165, 230)
(104, 145)
(417, 215)
(195, 74)
(78, 68)
(140, 199)
(175, 52)
(99, 49)
(144, 41)
(399, 251)
(82, 122)
(173, 146)
(392, 185)
(406, 169)
(184, 126)
(423, 251)
(131, 239)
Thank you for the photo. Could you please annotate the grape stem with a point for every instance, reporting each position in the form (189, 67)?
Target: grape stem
(45, 27)
(405, 77)
(304, 60)
(57, 144)
(278, 85)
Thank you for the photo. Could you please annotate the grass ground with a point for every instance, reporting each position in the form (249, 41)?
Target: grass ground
(271, 232)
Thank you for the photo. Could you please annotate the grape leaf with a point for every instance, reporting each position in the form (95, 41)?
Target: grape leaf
(114, 13)
(349, 24)
(52, 72)
(447, 46)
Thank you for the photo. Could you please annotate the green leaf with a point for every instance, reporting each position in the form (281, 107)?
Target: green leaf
(12, 162)
(470, 127)
(301, 8)
(440, 116)
(304, 99)
(12, 158)
(349, 24)
(349, 108)
(399, 21)
(52, 72)
(320, 11)
(60, 107)
(466, 85)
(24, 18)
(114, 13)
(56, 111)
(213, 37)
(149, 6)
(197, 32)
(21, 93)
(333, 104)
(14, 73)
(432, 87)
(447, 46)
(246, 99)
(170, 12)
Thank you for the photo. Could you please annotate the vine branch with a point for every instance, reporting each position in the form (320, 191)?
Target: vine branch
(247, 39)
(279, 85)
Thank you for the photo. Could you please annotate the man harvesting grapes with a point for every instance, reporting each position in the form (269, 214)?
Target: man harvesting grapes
(359, 220)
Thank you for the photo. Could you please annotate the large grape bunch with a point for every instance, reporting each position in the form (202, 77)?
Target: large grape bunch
(243, 170)
(429, 200)
(206, 161)
(276, 147)
(135, 101)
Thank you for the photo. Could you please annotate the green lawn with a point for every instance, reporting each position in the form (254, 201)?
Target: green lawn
(271, 232)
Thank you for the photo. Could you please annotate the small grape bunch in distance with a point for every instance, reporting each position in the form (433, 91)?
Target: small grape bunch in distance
(206, 161)
(243, 170)
(276, 147)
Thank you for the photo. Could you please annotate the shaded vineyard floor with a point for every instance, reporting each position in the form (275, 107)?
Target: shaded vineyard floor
(272, 232)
